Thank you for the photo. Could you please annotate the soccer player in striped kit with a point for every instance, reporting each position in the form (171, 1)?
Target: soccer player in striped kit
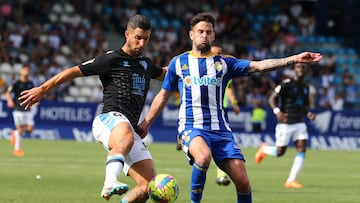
(204, 130)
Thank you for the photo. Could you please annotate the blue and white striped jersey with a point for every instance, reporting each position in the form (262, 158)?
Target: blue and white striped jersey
(201, 83)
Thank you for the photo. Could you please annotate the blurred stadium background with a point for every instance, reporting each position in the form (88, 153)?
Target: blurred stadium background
(51, 36)
(54, 35)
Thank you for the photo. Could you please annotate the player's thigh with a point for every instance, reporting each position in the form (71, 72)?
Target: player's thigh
(122, 135)
(19, 118)
(282, 134)
(199, 149)
(195, 144)
(104, 124)
(142, 172)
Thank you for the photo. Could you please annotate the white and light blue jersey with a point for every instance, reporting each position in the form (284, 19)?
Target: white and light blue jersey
(201, 82)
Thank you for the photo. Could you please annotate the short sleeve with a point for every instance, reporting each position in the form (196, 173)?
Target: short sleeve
(171, 78)
(97, 65)
(237, 67)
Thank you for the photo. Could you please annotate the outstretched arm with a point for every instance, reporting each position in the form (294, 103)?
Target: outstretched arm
(156, 107)
(34, 95)
(273, 64)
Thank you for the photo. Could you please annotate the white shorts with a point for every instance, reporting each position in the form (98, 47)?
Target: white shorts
(284, 132)
(101, 128)
(22, 118)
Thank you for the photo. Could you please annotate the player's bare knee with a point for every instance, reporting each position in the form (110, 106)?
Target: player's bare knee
(203, 159)
(243, 185)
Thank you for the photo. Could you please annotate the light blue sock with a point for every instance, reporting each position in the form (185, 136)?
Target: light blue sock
(123, 200)
(270, 150)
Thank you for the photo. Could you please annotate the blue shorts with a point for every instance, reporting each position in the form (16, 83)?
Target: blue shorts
(221, 144)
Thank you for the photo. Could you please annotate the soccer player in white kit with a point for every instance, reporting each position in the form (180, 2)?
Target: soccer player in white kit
(204, 130)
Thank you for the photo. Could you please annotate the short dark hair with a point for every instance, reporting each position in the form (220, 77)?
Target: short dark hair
(207, 17)
(139, 21)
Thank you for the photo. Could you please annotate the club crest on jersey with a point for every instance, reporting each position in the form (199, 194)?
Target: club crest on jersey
(218, 66)
(126, 63)
(144, 64)
(184, 67)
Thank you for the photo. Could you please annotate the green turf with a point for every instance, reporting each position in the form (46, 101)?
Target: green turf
(73, 172)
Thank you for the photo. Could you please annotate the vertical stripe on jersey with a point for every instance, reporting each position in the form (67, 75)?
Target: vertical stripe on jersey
(184, 116)
(213, 95)
(220, 108)
(204, 89)
(195, 101)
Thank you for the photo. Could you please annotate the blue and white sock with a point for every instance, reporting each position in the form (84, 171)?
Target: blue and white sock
(198, 178)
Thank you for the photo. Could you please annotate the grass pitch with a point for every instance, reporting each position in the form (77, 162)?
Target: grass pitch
(73, 172)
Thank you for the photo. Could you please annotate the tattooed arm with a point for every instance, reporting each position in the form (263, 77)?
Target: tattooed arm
(273, 64)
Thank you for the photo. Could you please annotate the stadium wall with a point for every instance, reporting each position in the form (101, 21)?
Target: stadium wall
(332, 130)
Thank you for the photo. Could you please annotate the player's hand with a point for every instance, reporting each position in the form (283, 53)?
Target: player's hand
(236, 109)
(281, 116)
(30, 97)
(311, 116)
(308, 57)
(142, 129)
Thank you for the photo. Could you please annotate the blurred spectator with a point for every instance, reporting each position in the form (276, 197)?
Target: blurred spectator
(351, 90)
(295, 10)
(261, 53)
(325, 98)
(326, 77)
(282, 18)
(338, 103)
(258, 115)
(328, 62)
(307, 24)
